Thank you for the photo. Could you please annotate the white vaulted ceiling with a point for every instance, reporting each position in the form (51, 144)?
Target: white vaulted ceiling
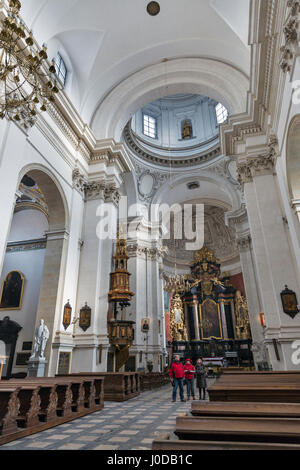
(106, 41)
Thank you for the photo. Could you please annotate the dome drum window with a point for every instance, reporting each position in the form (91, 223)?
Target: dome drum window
(222, 113)
(149, 126)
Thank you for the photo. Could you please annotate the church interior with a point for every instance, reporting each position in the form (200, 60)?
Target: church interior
(150, 201)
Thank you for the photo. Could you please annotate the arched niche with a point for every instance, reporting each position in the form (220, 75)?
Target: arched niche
(293, 158)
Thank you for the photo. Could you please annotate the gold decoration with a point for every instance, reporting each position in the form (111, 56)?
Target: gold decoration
(204, 255)
(242, 317)
(177, 323)
(120, 289)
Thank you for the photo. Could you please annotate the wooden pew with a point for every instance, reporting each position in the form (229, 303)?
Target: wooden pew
(255, 386)
(255, 393)
(9, 409)
(154, 380)
(62, 390)
(238, 409)
(30, 403)
(258, 377)
(163, 442)
(266, 430)
(46, 402)
(118, 386)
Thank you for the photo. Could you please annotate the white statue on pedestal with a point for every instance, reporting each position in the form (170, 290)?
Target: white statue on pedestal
(41, 337)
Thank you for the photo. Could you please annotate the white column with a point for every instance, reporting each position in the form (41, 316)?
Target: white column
(94, 279)
(252, 290)
(273, 258)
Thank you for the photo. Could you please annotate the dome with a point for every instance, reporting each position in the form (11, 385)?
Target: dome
(183, 128)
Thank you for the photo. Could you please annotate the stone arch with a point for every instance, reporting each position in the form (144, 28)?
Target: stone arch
(52, 271)
(55, 197)
(203, 76)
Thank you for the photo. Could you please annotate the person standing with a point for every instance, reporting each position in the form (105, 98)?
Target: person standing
(177, 374)
(189, 374)
(201, 378)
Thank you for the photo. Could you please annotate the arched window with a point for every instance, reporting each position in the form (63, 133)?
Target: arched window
(61, 69)
(222, 113)
(149, 126)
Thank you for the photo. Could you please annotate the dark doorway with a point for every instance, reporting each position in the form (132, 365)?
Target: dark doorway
(9, 332)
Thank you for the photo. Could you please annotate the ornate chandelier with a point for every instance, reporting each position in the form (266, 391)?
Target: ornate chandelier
(27, 83)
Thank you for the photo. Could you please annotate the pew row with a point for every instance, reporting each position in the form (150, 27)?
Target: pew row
(163, 442)
(264, 430)
(118, 386)
(283, 393)
(244, 409)
(31, 405)
(154, 380)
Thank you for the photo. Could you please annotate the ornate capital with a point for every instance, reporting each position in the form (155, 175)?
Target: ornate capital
(260, 165)
(134, 250)
(94, 190)
(111, 194)
(291, 33)
(79, 181)
(244, 243)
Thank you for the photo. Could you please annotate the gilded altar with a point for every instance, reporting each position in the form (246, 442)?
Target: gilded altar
(208, 311)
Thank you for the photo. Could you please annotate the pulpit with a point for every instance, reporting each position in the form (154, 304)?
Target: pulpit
(120, 331)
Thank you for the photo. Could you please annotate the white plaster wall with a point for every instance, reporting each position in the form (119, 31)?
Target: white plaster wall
(28, 225)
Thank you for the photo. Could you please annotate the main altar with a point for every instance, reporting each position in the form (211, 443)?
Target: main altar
(208, 316)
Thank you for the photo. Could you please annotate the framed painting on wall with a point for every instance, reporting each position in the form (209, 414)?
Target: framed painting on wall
(12, 291)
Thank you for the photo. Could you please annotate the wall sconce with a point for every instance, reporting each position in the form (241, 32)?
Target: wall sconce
(262, 319)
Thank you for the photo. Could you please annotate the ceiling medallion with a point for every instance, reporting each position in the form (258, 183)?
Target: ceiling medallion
(153, 8)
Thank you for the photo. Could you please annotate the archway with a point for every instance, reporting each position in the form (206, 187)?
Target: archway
(36, 248)
(208, 77)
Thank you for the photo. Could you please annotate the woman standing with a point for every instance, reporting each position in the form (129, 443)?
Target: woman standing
(189, 374)
(201, 378)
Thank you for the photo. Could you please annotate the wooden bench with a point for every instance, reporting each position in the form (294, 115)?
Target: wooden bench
(118, 386)
(154, 380)
(62, 390)
(238, 409)
(9, 409)
(266, 430)
(30, 403)
(258, 378)
(284, 393)
(163, 442)
(266, 386)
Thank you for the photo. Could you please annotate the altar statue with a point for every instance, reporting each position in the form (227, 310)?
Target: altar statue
(41, 337)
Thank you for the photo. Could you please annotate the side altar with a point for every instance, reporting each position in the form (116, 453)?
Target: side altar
(209, 317)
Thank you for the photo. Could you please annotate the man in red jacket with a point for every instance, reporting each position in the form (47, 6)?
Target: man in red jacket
(177, 374)
(189, 373)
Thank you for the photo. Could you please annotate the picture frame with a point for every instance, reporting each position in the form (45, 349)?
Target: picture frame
(12, 291)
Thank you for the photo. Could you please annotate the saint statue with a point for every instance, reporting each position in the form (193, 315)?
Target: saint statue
(187, 130)
(41, 337)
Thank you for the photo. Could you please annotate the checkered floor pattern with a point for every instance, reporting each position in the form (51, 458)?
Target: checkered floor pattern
(130, 425)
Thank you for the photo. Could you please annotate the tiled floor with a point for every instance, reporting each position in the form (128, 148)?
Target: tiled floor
(125, 426)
